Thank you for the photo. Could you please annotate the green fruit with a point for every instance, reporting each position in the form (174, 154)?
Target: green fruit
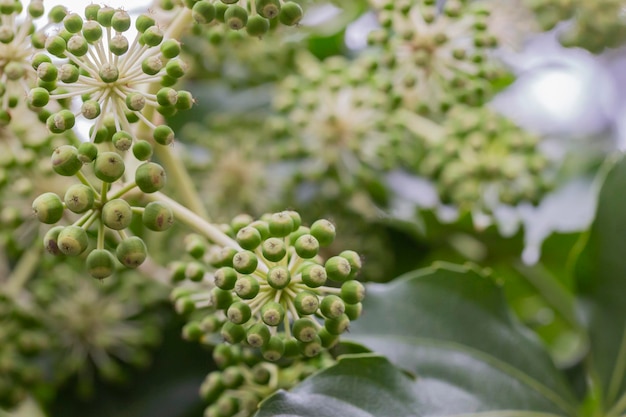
(79, 198)
(65, 160)
(72, 240)
(131, 252)
(158, 216)
(48, 208)
(117, 214)
(150, 177)
(100, 263)
(109, 166)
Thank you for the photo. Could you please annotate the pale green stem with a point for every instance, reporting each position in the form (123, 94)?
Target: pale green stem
(23, 270)
(123, 190)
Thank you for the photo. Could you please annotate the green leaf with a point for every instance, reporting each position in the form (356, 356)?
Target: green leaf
(452, 328)
(600, 273)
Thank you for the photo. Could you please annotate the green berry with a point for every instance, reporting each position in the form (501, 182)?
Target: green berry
(268, 8)
(274, 349)
(203, 12)
(152, 65)
(281, 224)
(90, 109)
(314, 275)
(245, 262)
(328, 340)
(65, 160)
(170, 48)
(91, 11)
(40, 59)
(131, 252)
(278, 277)
(306, 302)
(338, 269)
(143, 22)
(192, 331)
(47, 71)
(258, 335)
(257, 26)
(312, 348)
(304, 330)
(272, 313)
(332, 307)
(195, 271)
(100, 263)
(337, 325)
(108, 166)
(120, 21)
(323, 231)
(79, 198)
(61, 121)
(307, 246)
(352, 292)
(247, 287)
(48, 208)
(225, 278)
(175, 68)
(50, 240)
(290, 13)
(249, 238)
(72, 240)
(225, 356)
(57, 14)
(184, 101)
(236, 17)
(150, 177)
(68, 73)
(117, 214)
(158, 216)
(220, 11)
(56, 45)
(233, 333)
(239, 312)
(118, 45)
(221, 299)
(163, 135)
(38, 97)
(105, 15)
(274, 249)
(353, 311)
(142, 150)
(153, 36)
(77, 45)
(87, 152)
(354, 259)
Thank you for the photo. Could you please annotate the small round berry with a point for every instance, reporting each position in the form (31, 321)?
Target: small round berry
(268, 8)
(338, 269)
(79, 198)
(100, 263)
(328, 340)
(312, 348)
(221, 299)
(274, 349)
(92, 31)
(258, 335)
(77, 45)
(225, 278)
(274, 249)
(306, 302)
(195, 246)
(91, 11)
(290, 13)
(122, 140)
(158, 216)
(143, 22)
(332, 307)
(272, 313)
(68, 73)
(337, 325)
(108, 166)
(87, 152)
(48, 208)
(105, 15)
(142, 150)
(118, 45)
(39, 59)
(257, 26)
(247, 287)
(233, 333)
(153, 36)
(278, 277)
(192, 331)
(314, 275)
(57, 14)
(220, 11)
(131, 252)
(245, 262)
(150, 177)
(262, 227)
(120, 21)
(307, 246)
(50, 240)
(304, 330)
(65, 160)
(36, 9)
(239, 312)
(72, 240)
(324, 232)
(117, 214)
(281, 224)
(61, 121)
(203, 12)
(236, 17)
(195, 271)
(352, 292)
(38, 97)
(185, 100)
(163, 135)
(175, 68)
(353, 311)
(248, 238)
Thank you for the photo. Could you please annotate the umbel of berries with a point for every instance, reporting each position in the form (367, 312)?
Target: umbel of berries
(109, 73)
(272, 290)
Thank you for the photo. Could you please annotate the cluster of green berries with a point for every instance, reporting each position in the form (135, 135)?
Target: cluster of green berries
(108, 72)
(337, 125)
(22, 341)
(435, 57)
(270, 289)
(255, 16)
(244, 379)
(595, 24)
(484, 156)
(103, 206)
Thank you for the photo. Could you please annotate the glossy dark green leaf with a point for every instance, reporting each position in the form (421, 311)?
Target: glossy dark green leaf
(600, 272)
(451, 327)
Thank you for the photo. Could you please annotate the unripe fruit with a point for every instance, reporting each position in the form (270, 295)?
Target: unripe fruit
(257, 26)
(65, 160)
(72, 240)
(324, 232)
(290, 13)
(332, 307)
(247, 287)
(258, 335)
(100, 263)
(203, 12)
(221, 299)
(274, 349)
(108, 166)
(337, 325)
(304, 330)
(233, 333)
(245, 262)
(272, 313)
(150, 177)
(79, 198)
(131, 252)
(312, 348)
(236, 17)
(48, 208)
(278, 277)
(122, 140)
(274, 249)
(354, 259)
(268, 8)
(142, 150)
(239, 312)
(50, 240)
(158, 216)
(353, 311)
(281, 224)
(225, 278)
(338, 269)
(352, 292)
(314, 275)
(117, 214)
(306, 303)
(249, 238)
(307, 246)
(163, 135)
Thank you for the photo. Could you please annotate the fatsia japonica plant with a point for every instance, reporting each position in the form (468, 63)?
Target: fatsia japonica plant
(204, 206)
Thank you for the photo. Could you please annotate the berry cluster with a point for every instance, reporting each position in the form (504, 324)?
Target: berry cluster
(108, 72)
(104, 206)
(244, 379)
(435, 58)
(270, 290)
(483, 156)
